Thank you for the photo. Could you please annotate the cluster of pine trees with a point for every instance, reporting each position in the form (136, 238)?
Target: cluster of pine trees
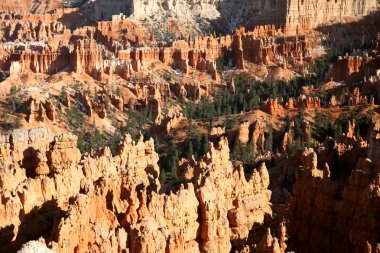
(248, 96)
(326, 126)
(91, 138)
(195, 145)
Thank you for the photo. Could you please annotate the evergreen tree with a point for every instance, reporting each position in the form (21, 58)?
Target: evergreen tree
(204, 144)
(162, 176)
(245, 106)
(252, 153)
(189, 151)
(269, 140)
(338, 131)
(156, 144)
(228, 110)
(170, 161)
(298, 145)
(190, 128)
(18, 122)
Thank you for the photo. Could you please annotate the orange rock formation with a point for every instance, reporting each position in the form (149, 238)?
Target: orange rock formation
(327, 210)
(105, 197)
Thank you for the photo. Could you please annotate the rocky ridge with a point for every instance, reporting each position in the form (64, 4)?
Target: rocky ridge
(329, 209)
(110, 203)
(294, 15)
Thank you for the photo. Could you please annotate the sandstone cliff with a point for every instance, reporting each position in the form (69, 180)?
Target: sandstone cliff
(28, 6)
(303, 15)
(293, 15)
(114, 203)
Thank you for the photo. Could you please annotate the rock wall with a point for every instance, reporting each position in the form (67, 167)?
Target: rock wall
(100, 53)
(115, 203)
(356, 67)
(294, 15)
(230, 206)
(303, 15)
(325, 210)
(40, 110)
(34, 29)
(28, 6)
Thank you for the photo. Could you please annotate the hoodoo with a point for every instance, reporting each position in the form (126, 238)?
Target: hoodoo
(190, 126)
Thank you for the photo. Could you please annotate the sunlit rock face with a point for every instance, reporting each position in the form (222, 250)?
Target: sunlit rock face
(293, 15)
(307, 14)
(55, 198)
(28, 6)
(113, 203)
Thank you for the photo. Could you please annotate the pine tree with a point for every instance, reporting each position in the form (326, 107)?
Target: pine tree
(338, 131)
(189, 151)
(287, 117)
(245, 106)
(172, 149)
(269, 140)
(170, 161)
(197, 145)
(251, 153)
(298, 145)
(229, 110)
(173, 170)
(204, 145)
(162, 176)
(156, 144)
(18, 122)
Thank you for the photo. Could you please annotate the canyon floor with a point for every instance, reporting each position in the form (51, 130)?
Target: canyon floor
(209, 126)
